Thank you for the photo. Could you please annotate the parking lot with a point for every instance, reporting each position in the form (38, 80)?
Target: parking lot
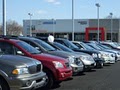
(106, 78)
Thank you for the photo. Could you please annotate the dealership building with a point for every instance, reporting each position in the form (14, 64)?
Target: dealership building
(84, 29)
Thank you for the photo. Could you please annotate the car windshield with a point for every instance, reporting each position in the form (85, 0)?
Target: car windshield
(70, 44)
(28, 47)
(94, 46)
(64, 48)
(106, 47)
(87, 46)
(45, 45)
(112, 44)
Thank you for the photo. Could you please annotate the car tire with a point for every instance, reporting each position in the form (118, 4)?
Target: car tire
(3, 85)
(57, 82)
(100, 65)
(49, 81)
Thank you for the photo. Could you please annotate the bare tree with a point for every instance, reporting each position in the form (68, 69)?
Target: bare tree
(13, 28)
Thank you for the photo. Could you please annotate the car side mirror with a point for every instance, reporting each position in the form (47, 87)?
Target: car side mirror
(37, 48)
(20, 53)
(82, 48)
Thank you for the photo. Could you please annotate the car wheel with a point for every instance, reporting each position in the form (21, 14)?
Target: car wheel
(49, 81)
(101, 65)
(57, 82)
(3, 85)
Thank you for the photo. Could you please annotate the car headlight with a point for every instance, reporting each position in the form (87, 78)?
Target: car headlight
(118, 53)
(58, 64)
(94, 55)
(20, 71)
(82, 58)
(99, 55)
(71, 60)
(112, 55)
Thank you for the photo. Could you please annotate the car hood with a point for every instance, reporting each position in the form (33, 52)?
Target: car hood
(81, 53)
(48, 57)
(86, 51)
(112, 51)
(62, 54)
(17, 60)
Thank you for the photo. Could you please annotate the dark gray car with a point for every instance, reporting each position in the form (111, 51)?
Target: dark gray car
(18, 72)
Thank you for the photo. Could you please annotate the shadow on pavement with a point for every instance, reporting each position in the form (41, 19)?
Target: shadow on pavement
(107, 64)
(93, 70)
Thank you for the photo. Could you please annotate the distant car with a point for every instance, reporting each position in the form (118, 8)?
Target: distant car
(74, 59)
(18, 72)
(111, 45)
(109, 56)
(57, 69)
(117, 52)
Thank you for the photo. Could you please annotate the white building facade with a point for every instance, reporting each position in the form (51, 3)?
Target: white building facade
(63, 28)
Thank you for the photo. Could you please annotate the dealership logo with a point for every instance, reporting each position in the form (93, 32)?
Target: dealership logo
(49, 22)
(82, 22)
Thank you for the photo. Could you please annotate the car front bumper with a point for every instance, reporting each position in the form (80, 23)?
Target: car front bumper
(90, 66)
(63, 74)
(77, 68)
(27, 82)
(112, 59)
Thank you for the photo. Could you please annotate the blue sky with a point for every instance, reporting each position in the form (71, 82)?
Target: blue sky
(58, 9)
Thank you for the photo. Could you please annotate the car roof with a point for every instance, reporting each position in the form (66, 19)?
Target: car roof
(9, 40)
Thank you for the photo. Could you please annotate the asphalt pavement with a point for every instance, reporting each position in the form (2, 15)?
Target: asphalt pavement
(107, 78)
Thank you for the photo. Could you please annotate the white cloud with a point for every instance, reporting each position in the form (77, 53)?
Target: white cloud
(56, 2)
(42, 12)
(51, 1)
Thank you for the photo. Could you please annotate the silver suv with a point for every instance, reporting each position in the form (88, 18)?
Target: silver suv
(18, 72)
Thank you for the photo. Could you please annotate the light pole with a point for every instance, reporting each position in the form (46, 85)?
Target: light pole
(72, 20)
(30, 24)
(98, 5)
(4, 17)
(111, 14)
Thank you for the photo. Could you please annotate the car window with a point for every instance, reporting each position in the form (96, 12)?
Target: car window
(32, 44)
(70, 44)
(78, 45)
(28, 47)
(64, 48)
(45, 45)
(6, 48)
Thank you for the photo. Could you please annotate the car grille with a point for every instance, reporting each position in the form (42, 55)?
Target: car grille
(77, 61)
(67, 64)
(35, 68)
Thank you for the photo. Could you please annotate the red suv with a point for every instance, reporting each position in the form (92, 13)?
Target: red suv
(57, 69)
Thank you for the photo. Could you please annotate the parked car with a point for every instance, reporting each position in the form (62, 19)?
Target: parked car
(75, 62)
(57, 69)
(112, 45)
(117, 52)
(19, 72)
(108, 56)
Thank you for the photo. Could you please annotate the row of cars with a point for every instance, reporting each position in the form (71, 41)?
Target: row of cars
(30, 63)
